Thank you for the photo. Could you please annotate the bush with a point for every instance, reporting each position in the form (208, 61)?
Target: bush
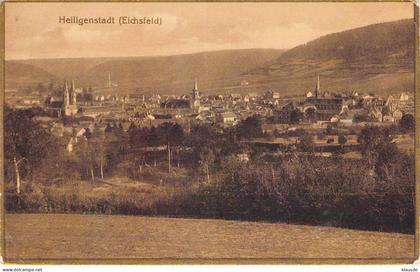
(306, 190)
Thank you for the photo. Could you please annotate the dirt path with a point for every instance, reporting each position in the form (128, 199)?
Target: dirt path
(50, 236)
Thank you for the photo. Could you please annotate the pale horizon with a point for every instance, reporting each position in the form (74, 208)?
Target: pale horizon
(149, 56)
(33, 32)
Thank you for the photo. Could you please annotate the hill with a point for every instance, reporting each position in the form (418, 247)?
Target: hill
(166, 74)
(377, 58)
(21, 74)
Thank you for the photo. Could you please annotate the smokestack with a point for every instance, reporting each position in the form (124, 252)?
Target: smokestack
(317, 88)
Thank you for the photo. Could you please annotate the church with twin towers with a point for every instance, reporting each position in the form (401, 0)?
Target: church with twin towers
(69, 99)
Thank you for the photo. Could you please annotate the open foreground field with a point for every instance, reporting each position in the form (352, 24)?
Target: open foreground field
(64, 236)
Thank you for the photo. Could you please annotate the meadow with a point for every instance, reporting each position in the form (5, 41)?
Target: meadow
(100, 237)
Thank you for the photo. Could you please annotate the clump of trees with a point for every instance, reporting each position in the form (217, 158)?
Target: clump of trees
(375, 193)
(310, 190)
(27, 147)
(407, 123)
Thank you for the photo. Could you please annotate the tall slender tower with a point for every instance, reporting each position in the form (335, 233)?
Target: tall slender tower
(317, 88)
(195, 90)
(73, 94)
(66, 94)
(195, 103)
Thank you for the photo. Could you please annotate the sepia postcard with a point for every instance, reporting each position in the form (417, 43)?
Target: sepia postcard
(209, 133)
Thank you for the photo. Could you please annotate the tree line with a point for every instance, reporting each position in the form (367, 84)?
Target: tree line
(376, 192)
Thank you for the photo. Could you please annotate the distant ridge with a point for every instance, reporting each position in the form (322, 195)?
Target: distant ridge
(375, 58)
(16, 73)
(164, 73)
(378, 43)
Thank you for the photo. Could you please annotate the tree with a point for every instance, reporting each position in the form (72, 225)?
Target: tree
(306, 142)
(200, 136)
(295, 116)
(138, 141)
(358, 118)
(250, 128)
(176, 134)
(407, 123)
(25, 142)
(206, 161)
(329, 130)
(229, 144)
(153, 140)
(88, 152)
(342, 140)
(310, 114)
(108, 128)
(171, 135)
(376, 145)
(100, 148)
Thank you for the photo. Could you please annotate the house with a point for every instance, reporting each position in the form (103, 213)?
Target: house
(335, 119)
(327, 95)
(397, 115)
(287, 113)
(391, 103)
(204, 108)
(244, 83)
(388, 119)
(70, 144)
(376, 114)
(272, 95)
(346, 121)
(226, 117)
(404, 97)
(346, 117)
(243, 157)
(176, 104)
(33, 102)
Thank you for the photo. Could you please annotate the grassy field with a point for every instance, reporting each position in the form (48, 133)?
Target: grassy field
(63, 236)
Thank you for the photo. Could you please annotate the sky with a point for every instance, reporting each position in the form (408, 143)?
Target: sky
(32, 30)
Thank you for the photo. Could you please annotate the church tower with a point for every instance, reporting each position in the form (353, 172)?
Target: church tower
(66, 94)
(195, 90)
(73, 93)
(195, 101)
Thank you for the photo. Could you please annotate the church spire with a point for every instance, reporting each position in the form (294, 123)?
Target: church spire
(66, 85)
(73, 93)
(195, 90)
(195, 101)
(195, 85)
(66, 95)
